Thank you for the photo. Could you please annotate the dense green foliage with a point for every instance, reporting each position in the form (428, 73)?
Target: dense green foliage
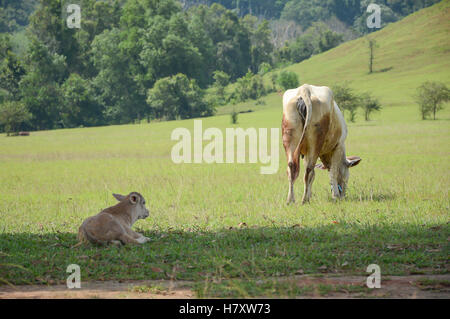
(317, 38)
(288, 80)
(12, 115)
(305, 12)
(104, 72)
(249, 86)
(14, 13)
(177, 97)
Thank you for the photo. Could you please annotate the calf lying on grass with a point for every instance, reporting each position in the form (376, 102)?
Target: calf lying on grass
(113, 224)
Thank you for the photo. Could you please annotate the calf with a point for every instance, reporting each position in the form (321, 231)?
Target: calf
(313, 127)
(113, 224)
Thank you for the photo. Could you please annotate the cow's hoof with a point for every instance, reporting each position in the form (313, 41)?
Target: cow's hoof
(290, 200)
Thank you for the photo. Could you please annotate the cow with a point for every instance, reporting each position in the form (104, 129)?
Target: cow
(313, 127)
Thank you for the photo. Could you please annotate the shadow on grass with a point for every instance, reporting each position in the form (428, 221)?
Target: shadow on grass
(249, 253)
(383, 70)
(371, 123)
(370, 197)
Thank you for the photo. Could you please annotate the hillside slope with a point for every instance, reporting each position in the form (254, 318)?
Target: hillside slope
(409, 52)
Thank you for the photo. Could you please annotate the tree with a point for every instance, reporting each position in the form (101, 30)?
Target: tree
(257, 88)
(260, 38)
(234, 117)
(323, 38)
(430, 96)
(12, 115)
(221, 80)
(305, 12)
(328, 40)
(302, 48)
(47, 26)
(369, 105)
(97, 16)
(372, 44)
(40, 87)
(249, 86)
(317, 38)
(274, 80)
(178, 97)
(230, 37)
(288, 80)
(264, 68)
(80, 106)
(117, 86)
(346, 99)
(14, 14)
(11, 69)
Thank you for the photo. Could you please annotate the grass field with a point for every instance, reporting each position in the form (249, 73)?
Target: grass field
(396, 213)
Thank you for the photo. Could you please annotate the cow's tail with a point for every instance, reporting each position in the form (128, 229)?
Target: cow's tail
(305, 94)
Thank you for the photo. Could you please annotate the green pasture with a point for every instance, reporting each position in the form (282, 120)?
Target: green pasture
(396, 213)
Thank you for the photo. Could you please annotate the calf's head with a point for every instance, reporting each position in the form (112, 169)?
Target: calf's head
(136, 203)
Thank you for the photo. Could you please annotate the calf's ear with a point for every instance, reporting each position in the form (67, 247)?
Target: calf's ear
(353, 161)
(134, 199)
(119, 197)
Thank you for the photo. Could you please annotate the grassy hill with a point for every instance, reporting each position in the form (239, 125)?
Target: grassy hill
(409, 52)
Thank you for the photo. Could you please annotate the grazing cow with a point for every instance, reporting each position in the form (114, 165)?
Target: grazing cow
(314, 127)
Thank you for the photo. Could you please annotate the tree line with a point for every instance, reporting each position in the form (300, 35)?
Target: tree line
(306, 12)
(146, 59)
(132, 60)
(108, 71)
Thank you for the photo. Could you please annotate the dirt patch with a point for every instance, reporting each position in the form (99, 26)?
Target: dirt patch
(405, 287)
(143, 289)
(416, 286)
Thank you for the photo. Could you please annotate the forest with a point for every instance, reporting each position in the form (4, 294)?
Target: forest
(158, 59)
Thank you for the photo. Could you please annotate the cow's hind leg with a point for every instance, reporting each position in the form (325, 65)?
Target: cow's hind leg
(309, 162)
(291, 137)
(292, 171)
